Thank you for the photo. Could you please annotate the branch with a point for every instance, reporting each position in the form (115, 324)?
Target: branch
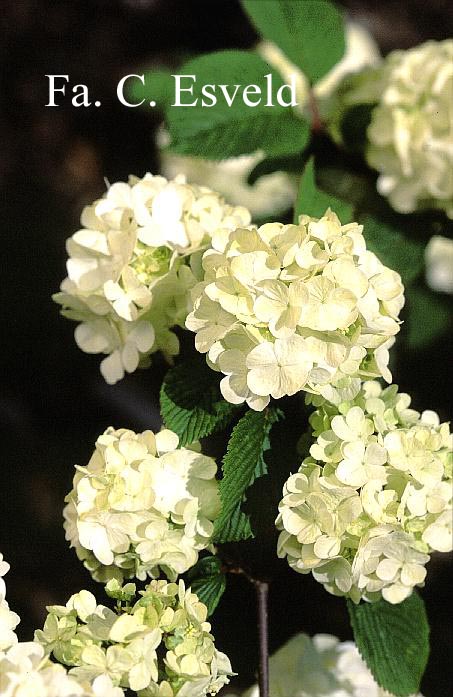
(262, 594)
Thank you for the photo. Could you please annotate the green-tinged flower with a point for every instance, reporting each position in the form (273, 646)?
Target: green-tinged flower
(140, 505)
(285, 308)
(373, 500)
(320, 665)
(129, 271)
(159, 646)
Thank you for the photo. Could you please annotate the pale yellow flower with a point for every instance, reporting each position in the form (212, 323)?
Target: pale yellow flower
(318, 304)
(411, 131)
(130, 267)
(374, 498)
(142, 503)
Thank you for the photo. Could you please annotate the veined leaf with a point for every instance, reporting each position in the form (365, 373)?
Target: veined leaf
(190, 401)
(226, 129)
(243, 463)
(394, 642)
(312, 201)
(309, 32)
(208, 581)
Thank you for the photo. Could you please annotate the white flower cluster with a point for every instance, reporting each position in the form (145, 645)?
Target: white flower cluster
(8, 619)
(160, 647)
(411, 132)
(141, 504)
(284, 308)
(320, 666)
(365, 519)
(128, 267)
(25, 670)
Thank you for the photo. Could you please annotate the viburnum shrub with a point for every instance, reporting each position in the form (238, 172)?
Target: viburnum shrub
(297, 320)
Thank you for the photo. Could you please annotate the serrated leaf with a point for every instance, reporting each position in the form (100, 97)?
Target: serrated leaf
(190, 401)
(158, 86)
(223, 131)
(242, 464)
(394, 249)
(428, 317)
(394, 642)
(208, 581)
(312, 201)
(309, 32)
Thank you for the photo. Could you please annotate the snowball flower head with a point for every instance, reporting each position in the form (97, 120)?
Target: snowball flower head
(319, 666)
(373, 500)
(285, 308)
(128, 267)
(411, 131)
(140, 505)
(161, 646)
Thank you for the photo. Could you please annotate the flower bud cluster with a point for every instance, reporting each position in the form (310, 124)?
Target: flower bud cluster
(140, 505)
(373, 500)
(285, 308)
(410, 135)
(128, 272)
(161, 646)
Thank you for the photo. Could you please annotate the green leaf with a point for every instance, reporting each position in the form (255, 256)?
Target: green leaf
(394, 249)
(190, 401)
(243, 463)
(208, 581)
(428, 317)
(312, 201)
(309, 32)
(158, 87)
(223, 131)
(394, 642)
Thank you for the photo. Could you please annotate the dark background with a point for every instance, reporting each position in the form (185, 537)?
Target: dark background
(54, 402)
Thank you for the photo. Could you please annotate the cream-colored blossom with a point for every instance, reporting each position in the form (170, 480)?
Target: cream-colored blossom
(311, 304)
(8, 619)
(319, 666)
(373, 500)
(25, 671)
(129, 273)
(439, 264)
(142, 503)
(411, 130)
(159, 646)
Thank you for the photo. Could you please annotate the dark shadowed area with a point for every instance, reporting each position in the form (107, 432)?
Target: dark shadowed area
(54, 402)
